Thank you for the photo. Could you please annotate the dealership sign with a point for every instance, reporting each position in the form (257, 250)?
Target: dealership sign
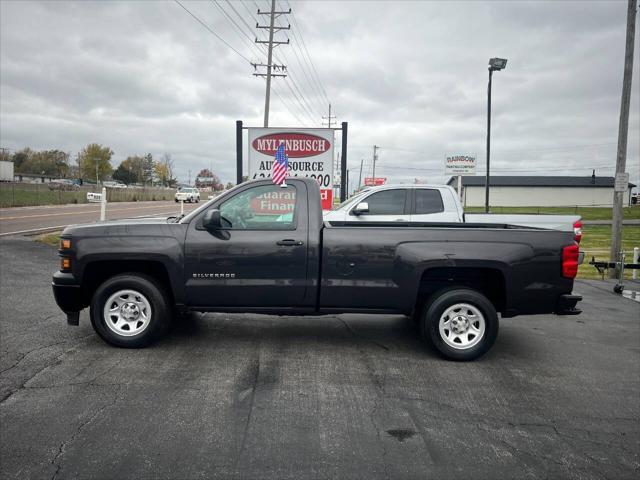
(310, 153)
(460, 165)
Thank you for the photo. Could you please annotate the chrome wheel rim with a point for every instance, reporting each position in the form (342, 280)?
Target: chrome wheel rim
(127, 313)
(462, 326)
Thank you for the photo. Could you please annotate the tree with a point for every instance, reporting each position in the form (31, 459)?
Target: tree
(208, 179)
(124, 173)
(94, 161)
(46, 162)
(164, 171)
(19, 158)
(147, 169)
(130, 170)
(229, 185)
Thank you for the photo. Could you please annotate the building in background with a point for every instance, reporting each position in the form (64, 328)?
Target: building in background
(524, 191)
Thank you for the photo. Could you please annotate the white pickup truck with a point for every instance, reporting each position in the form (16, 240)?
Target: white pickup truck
(434, 203)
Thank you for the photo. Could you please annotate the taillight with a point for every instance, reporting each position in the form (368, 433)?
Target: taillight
(577, 230)
(570, 261)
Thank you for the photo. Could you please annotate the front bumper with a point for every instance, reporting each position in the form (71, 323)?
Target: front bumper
(566, 305)
(68, 296)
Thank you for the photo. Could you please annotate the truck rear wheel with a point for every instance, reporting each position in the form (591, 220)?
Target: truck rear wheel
(461, 323)
(129, 310)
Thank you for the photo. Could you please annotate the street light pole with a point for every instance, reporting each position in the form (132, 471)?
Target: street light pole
(486, 188)
(494, 64)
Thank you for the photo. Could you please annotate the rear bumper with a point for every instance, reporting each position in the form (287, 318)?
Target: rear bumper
(566, 305)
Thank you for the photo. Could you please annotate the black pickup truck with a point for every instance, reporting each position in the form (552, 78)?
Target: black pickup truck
(264, 248)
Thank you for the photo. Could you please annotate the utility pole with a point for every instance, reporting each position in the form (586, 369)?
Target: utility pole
(360, 176)
(273, 14)
(329, 118)
(623, 130)
(375, 157)
(347, 188)
(189, 177)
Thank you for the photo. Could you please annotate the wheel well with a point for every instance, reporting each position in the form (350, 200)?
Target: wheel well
(96, 273)
(488, 281)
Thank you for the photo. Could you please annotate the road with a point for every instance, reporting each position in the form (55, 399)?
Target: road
(51, 217)
(348, 396)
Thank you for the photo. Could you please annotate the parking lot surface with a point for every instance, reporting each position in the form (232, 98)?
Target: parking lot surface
(348, 396)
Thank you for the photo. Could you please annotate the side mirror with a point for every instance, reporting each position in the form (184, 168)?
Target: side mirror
(212, 220)
(362, 207)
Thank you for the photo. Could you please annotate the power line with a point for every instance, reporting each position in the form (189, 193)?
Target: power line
(503, 169)
(304, 73)
(238, 31)
(316, 93)
(288, 108)
(249, 27)
(305, 65)
(300, 102)
(297, 25)
(210, 30)
(542, 149)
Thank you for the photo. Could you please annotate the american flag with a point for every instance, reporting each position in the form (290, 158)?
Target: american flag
(280, 166)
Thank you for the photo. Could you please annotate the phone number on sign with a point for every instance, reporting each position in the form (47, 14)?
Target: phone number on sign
(324, 180)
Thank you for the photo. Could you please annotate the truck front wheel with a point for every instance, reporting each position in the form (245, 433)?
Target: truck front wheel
(129, 310)
(462, 324)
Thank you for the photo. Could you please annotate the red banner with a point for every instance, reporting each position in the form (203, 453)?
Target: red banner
(326, 195)
(368, 181)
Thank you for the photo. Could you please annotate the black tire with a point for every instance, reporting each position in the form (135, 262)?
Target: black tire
(197, 199)
(176, 200)
(158, 321)
(438, 305)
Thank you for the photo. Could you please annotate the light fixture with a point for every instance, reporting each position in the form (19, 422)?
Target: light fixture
(497, 63)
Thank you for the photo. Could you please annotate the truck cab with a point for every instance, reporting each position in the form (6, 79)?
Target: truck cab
(400, 203)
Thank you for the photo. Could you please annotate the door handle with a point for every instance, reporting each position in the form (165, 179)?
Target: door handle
(289, 242)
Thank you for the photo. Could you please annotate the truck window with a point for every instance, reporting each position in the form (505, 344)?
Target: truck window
(387, 202)
(267, 207)
(428, 201)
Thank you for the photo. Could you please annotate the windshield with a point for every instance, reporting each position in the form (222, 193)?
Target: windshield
(203, 207)
(351, 200)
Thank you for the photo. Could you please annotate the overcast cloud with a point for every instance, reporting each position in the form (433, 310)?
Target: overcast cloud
(408, 76)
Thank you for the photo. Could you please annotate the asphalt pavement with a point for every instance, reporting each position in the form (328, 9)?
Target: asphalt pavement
(56, 217)
(347, 396)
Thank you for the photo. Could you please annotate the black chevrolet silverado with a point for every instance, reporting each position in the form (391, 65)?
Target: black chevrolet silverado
(264, 248)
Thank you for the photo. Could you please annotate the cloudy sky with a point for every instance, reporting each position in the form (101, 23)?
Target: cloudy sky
(145, 76)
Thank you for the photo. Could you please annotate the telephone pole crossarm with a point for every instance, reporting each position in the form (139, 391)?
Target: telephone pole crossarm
(260, 12)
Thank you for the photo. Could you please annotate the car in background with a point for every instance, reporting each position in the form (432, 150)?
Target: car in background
(114, 184)
(187, 194)
(435, 204)
(63, 184)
